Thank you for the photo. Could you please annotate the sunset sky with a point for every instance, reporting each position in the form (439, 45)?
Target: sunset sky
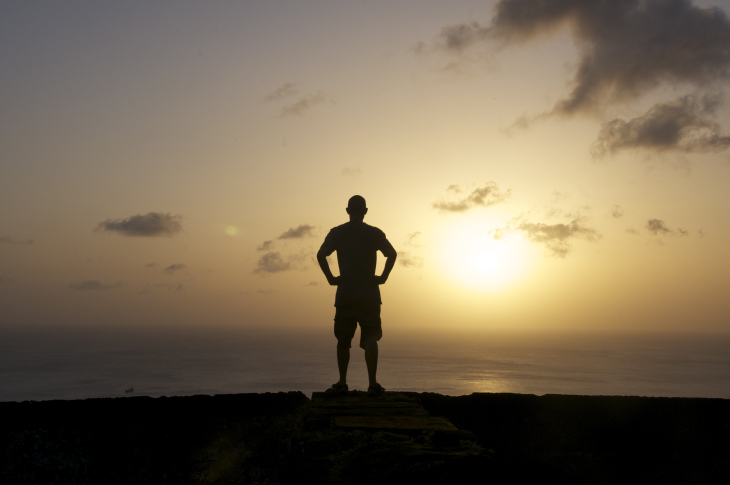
(537, 165)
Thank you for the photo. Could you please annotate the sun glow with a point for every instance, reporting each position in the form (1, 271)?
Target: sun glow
(476, 254)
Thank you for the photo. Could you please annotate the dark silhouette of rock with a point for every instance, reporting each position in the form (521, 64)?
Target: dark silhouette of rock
(420, 438)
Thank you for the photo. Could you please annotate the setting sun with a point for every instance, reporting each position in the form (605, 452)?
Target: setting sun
(475, 254)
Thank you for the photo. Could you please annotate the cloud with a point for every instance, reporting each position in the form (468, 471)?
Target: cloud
(94, 285)
(626, 47)
(151, 224)
(283, 91)
(556, 238)
(412, 239)
(303, 230)
(173, 268)
(658, 228)
(10, 240)
(684, 124)
(408, 260)
(265, 246)
(484, 196)
(300, 108)
(458, 38)
(617, 212)
(351, 172)
(271, 263)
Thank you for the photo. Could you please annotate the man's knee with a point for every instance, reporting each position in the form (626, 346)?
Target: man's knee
(371, 346)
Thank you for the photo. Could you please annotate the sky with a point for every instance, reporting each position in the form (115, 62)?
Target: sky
(537, 165)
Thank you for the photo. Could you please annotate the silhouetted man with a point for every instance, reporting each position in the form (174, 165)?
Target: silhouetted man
(358, 294)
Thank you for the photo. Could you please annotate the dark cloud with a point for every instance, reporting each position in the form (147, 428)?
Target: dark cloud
(626, 47)
(557, 238)
(685, 124)
(484, 196)
(299, 108)
(617, 212)
(272, 263)
(458, 38)
(265, 246)
(173, 268)
(149, 225)
(283, 91)
(303, 230)
(94, 285)
(658, 228)
(10, 240)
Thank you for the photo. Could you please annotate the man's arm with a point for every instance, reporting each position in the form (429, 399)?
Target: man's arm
(390, 257)
(324, 265)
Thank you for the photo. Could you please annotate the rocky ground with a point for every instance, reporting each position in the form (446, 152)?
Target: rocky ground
(405, 437)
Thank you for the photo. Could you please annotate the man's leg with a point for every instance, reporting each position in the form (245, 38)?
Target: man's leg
(371, 361)
(343, 359)
(345, 327)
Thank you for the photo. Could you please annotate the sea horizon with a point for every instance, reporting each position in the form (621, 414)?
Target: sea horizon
(65, 364)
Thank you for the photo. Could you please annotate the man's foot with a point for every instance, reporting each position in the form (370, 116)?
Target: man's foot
(337, 388)
(376, 390)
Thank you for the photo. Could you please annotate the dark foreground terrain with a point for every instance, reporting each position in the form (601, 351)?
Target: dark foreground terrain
(400, 437)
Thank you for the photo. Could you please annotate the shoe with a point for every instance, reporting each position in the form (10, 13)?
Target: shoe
(376, 390)
(337, 388)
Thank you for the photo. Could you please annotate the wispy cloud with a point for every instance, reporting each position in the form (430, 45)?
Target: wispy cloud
(94, 285)
(488, 194)
(272, 262)
(617, 212)
(413, 238)
(685, 124)
(174, 268)
(351, 171)
(299, 232)
(408, 260)
(284, 91)
(556, 238)
(151, 224)
(304, 104)
(20, 242)
(658, 227)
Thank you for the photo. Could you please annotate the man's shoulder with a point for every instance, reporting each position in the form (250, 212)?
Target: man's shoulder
(356, 227)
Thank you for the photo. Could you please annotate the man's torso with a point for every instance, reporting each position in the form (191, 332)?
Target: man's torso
(357, 245)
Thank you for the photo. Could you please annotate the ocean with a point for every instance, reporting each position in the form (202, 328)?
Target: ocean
(57, 363)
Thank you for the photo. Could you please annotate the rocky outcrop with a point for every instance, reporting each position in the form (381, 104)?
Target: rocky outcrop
(405, 437)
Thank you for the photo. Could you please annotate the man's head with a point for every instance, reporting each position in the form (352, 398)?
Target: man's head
(356, 207)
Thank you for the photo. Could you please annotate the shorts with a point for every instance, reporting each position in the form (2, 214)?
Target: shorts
(346, 320)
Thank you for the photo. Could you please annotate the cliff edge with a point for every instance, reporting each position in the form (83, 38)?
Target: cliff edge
(399, 437)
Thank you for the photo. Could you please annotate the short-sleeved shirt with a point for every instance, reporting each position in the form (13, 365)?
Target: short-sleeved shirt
(357, 245)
